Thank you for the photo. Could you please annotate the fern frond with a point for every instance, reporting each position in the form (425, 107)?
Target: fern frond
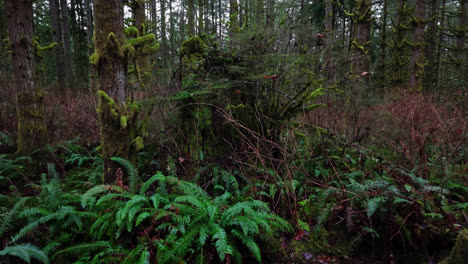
(91, 193)
(158, 177)
(7, 218)
(250, 243)
(25, 252)
(131, 170)
(85, 248)
(222, 246)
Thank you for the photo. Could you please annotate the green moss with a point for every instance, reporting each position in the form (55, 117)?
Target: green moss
(131, 32)
(113, 46)
(129, 51)
(143, 40)
(150, 49)
(123, 121)
(138, 144)
(106, 97)
(459, 254)
(32, 131)
(94, 58)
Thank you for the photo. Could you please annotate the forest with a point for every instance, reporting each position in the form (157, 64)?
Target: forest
(240, 131)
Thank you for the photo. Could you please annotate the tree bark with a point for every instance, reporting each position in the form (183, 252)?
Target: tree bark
(90, 30)
(66, 42)
(329, 41)
(383, 47)
(361, 40)
(191, 16)
(201, 4)
(32, 131)
(417, 59)
(260, 14)
(462, 29)
(431, 39)
(116, 118)
(163, 26)
(3, 28)
(439, 45)
(233, 13)
(140, 16)
(57, 37)
(154, 18)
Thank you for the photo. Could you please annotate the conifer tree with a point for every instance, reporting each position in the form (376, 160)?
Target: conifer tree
(32, 131)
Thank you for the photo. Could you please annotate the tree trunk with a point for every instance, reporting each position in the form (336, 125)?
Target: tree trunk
(171, 26)
(66, 42)
(462, 28)
(431, 39)
(90, 28)
(201, 4)
(439, 45)
(140, 17)
(117, 119)
(271, 12)
(260, 13)
(461, 32)
(233, 11)
(57, 37)
(154, 18)
(383, 47)
(32, 131)
(163, 26)
(191, 16)
(417, 59)
(329, 41)
(220, 18)
(3, 27)
(361, 42)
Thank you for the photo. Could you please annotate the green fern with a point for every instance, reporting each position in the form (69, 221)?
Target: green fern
(25, 252)
(131, 170)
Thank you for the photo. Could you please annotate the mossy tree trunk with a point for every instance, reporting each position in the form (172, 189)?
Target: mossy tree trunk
(459, 253)
(32, 131)
(397, 75)
(461, 37)
(201, 6)
(117, 117)
(142, 62)
(417, 59)
(233, 12)
(361, 42)
(329, 42)
(57, 37)
(191, 17)
(383, 46)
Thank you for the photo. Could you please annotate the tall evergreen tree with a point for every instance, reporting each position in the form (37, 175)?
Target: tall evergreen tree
(417, 59)
(32, 131)
(361, 41)
(65, 23)
(57, 37)
(117, 117)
